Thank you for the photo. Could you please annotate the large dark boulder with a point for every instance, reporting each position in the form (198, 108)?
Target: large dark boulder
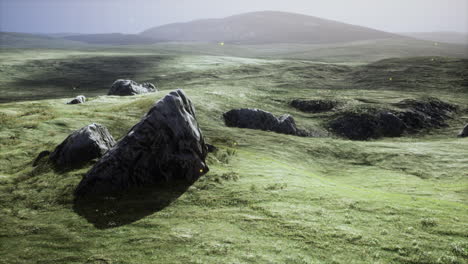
(363, 126)
(129, 87)
(464, 132)
(166, 146)
(78, 100)
(83, 145)
(262, 120)
(314, 106)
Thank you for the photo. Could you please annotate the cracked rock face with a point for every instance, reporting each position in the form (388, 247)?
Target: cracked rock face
(259, 119)
(129, 87)
(83, 145)
(78, 100)
(167, 145)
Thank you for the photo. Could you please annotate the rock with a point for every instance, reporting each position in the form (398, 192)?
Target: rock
(464, 132)
(420, 114)
(390, 125)
(166, 146)
(39, 157)
(129, 87)
(78, 100)
(363, 126)
(211, 148)
(375, 123)
(83, 145)
(262, 120)
(313, 106)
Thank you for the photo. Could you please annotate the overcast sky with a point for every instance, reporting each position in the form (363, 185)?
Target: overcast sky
(103, 16)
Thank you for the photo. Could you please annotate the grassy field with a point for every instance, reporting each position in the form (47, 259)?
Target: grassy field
(268, 198)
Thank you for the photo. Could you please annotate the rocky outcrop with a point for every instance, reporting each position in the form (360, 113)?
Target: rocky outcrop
(78, 100)
(129, 87)
(167, 145)
(413, 116)
(262, 120)
(464, 132)
(420, 114)
(313, 106)
(363, 126)
(83, 145)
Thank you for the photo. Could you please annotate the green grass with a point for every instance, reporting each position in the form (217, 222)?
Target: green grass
(268, 198)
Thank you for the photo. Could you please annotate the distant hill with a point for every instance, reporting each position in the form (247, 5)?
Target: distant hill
(112, 39)
(264, 28)
(443, 36)
(24, 40)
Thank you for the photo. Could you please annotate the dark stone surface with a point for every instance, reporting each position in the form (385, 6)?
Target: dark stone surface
(262, 120)
(129, 87)
(167, 145)
(211, 148)
(313, 106)
(78, 100)
(430, 113)
(464, 132)
(83, 145)
(414, 116)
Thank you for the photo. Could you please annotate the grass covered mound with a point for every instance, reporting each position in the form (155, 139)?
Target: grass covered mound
(268, 197)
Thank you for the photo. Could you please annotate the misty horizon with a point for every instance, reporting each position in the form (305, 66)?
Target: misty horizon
(86, 17)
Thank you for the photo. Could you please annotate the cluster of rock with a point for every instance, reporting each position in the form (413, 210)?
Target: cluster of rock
(314, 106)
(166, 145)
(262, 120)
(413, 116)
(128, 87)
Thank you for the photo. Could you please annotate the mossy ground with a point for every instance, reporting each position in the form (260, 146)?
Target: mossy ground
(268, 198)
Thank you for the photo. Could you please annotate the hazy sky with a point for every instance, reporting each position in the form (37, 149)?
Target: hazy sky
(101, 16)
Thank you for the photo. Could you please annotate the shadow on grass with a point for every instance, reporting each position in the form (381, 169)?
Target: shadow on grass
(116, 210)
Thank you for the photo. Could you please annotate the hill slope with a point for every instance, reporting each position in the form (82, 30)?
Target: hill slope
(447, 37)
(24, 40)
(265, 27)
(112, 39)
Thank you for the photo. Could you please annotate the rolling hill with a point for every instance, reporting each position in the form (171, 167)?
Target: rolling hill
(25, 40)
(265, 27)
(112, 39)
(442, 36)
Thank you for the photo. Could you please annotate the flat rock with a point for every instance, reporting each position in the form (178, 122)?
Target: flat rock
(128, 87)
(166, 146)
(82, 145)
(258, 119)
(78, 100)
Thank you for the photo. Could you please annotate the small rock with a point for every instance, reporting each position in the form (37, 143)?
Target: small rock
(78, 100)
(464, 132)
(166, 146)
(129, 87)
(211, 148)
(83, 145)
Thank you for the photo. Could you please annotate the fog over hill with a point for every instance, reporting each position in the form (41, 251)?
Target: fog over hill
(265, 27)
(442, 36)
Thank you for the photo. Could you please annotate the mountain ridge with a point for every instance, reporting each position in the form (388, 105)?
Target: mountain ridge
(265, 27)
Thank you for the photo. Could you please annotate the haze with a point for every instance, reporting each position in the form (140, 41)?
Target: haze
(105, 16)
